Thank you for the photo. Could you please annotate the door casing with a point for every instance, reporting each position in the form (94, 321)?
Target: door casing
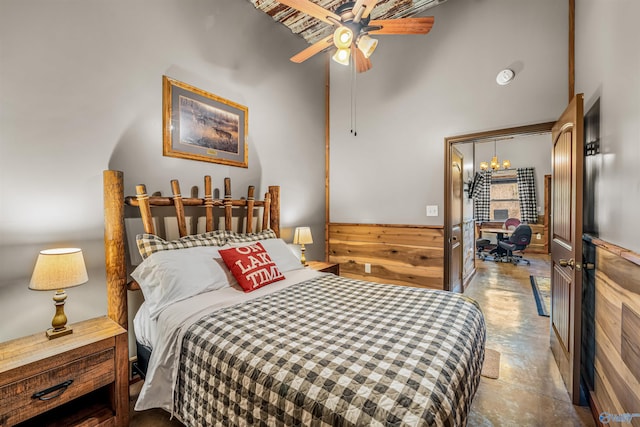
(448, 146)
(456, 254)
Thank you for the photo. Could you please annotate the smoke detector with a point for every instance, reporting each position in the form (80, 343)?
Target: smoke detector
(505, 77)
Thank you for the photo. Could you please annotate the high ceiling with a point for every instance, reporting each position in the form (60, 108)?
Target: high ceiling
(313, 30)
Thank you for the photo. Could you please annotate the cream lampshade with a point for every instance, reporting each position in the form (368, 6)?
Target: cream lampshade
(55, 270)
(342, 56)
(302, 236)
(366, 45)
(342, 37)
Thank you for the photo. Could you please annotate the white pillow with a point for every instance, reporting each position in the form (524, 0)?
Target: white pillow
(279, 252)
(166, 277)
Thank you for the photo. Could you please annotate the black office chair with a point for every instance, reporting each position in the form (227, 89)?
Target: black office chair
(511, 223)
(517, 242)
(483, 248)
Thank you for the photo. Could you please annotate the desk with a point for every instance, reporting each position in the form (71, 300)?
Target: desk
(500, 232)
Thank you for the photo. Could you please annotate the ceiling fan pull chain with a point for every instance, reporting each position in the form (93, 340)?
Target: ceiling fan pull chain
(354, 129)
(355, 103)
(351, 96)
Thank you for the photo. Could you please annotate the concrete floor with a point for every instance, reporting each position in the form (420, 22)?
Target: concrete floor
(529, 391)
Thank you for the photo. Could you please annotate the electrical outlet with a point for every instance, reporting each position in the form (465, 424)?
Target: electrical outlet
(367, 267)
(538, 236)
(432, 210)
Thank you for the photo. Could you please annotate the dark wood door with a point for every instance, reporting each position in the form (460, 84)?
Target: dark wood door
(566, 244)
(455, 264)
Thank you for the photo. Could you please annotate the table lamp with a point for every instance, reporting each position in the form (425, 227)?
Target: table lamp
(302, 236)
(55, 270)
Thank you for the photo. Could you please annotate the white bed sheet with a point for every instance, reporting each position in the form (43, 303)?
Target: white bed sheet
(157, 390)
(145, 329)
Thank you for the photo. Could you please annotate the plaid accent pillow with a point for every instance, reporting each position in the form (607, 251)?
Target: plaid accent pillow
(251, 265)
(233, 237)
(150, 243)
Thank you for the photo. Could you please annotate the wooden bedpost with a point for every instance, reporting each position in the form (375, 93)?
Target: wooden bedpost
(250, 204)
(114, 249)
(208, 202)
(177, 201)
(266, 208)
(274, 209)
(145, 209)
(228, 204)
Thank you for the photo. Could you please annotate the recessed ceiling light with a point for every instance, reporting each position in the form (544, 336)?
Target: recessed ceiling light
(505, 77)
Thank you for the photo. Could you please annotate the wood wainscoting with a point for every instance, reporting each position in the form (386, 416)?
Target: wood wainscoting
(539, 239)
(411, 255)
(617, 331)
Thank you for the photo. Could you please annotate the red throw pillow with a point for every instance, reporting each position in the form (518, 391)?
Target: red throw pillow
(251, 266)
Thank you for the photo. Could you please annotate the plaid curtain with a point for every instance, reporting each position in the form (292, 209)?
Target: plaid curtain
(527, 195)
(481, 194)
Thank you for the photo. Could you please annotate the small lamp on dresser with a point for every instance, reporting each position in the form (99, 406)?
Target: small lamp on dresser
(55, 270)
(302, 236)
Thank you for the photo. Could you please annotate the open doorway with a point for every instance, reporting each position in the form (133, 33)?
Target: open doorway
(514, 144)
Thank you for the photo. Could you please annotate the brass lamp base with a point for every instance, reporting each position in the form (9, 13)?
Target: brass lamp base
(59, 321)
(303, 257)
(52, 333)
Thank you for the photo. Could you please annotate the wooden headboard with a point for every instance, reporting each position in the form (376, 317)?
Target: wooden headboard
(114, 230)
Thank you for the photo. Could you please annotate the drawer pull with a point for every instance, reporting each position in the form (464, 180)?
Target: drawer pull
(60, 388)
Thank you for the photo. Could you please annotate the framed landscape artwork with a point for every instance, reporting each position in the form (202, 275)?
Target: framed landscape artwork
(201, 126)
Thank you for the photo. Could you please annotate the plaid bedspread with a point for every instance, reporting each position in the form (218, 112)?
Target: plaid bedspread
(332, 351)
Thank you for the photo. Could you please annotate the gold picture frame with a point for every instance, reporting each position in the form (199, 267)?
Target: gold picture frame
(199, 125)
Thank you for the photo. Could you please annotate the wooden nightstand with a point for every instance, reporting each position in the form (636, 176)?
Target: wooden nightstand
(78, 379)
(327, 267)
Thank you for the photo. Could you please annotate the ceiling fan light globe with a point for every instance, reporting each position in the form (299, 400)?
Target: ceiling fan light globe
(366, 45)
(342, 56)
(342, 37)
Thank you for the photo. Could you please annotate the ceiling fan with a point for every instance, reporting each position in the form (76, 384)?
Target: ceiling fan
(354, 26)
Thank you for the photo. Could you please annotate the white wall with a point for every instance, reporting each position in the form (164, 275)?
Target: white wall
(81, 91)
(424, 88)
(608, 67)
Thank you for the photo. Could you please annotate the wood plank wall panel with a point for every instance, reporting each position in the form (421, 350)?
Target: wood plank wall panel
(617, 332)
(539, 246)
(630, 345)
(410, 255)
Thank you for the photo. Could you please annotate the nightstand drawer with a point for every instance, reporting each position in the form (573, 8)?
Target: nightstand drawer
(20, 400)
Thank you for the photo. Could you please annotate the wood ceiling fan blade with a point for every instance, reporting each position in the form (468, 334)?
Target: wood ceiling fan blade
(312, 9)
(362, 64)
(315, 48)
(402, 25)
(367, 4)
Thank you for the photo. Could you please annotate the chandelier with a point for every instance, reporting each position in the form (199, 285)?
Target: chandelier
(495, 163)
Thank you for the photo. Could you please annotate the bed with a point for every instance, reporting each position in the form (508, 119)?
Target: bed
(306, 348)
